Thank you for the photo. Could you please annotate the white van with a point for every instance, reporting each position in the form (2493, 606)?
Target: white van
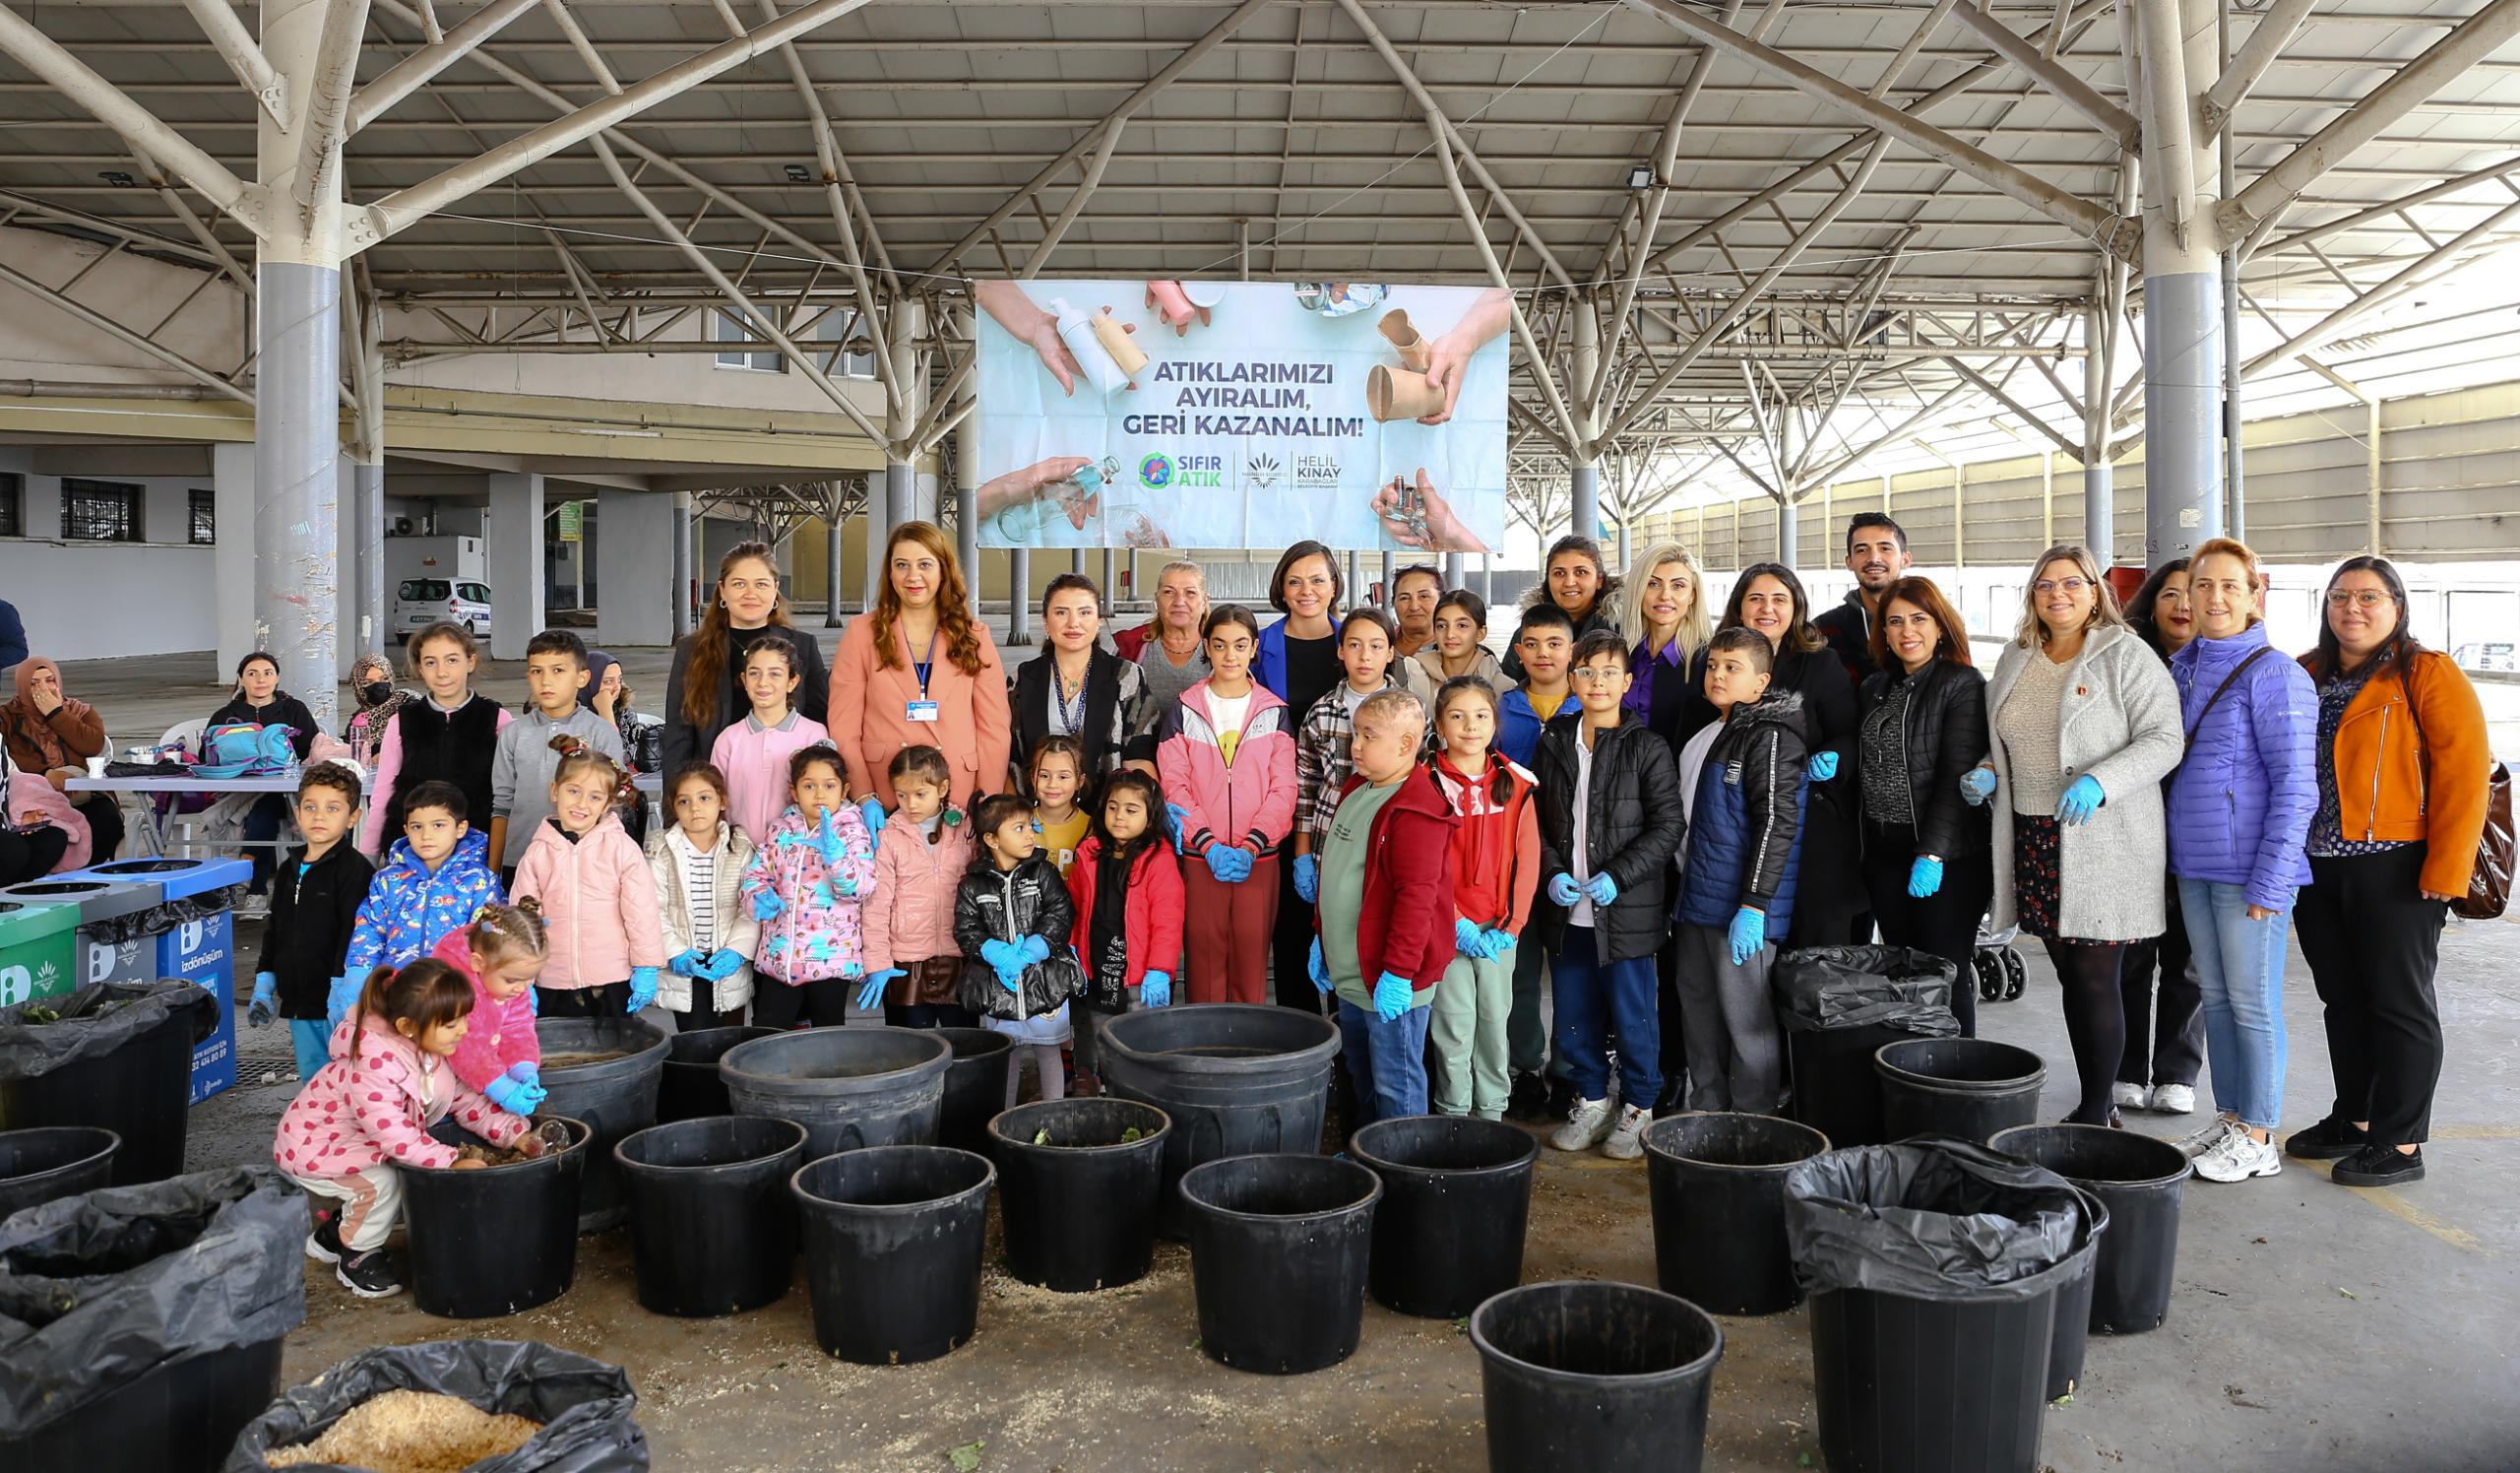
(420, 602)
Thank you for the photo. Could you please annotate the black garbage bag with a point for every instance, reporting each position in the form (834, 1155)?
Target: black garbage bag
(583, 1405)
(1929, 1218)
(39, 1037)
(159, 920)
(1850, 987)
(97, 1290)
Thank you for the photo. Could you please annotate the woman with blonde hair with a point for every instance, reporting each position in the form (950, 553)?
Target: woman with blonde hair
(918, 670)
(1664, 617)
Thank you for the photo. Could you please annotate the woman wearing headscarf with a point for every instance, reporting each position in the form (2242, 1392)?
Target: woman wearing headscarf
(380, 700)
(48, 731)
(605, 694)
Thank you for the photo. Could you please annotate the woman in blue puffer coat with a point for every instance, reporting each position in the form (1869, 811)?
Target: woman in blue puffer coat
(2240, 809)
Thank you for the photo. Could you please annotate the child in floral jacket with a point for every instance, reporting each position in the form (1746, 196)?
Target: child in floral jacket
(806, 885)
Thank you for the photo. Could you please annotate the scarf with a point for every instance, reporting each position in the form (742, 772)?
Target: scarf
(30, 726)
(380, 714)
(1483, 845)
(1107, 929)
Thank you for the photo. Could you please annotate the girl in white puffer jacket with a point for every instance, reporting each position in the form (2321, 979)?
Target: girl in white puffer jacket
(699, 862)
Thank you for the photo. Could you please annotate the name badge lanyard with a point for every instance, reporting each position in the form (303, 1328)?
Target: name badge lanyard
(923, 708)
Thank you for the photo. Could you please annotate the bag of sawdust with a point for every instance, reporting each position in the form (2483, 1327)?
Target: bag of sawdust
(574, 1414)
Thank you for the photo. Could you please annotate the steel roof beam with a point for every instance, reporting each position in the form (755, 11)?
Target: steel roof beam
(416, 70)
(140, 342)
(109, 104)
(2414, 274)
(243, 55)
(2274, 27)
(2072, 91)
(324, 125)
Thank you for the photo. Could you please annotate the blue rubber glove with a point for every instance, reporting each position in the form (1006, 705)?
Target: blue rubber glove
(996, 953)
(852, 971)
(1012, 979)
(1175, 819)
(1747, 933)
(534, 1000)
(1495, 943)
(525, 1074)
(515, 1096)
(1308, 879)
(338, 1000)
(873, 991)
(1466, 937)
(1392, 992)
(266, 1004)
(1977, 784)
(767, 904)
(721, 964)
(643, 988)
(1317, 969)
(2081, 801)
(1601, 889)
(873, 813)
(1925, 877)
(1824, 766)
(1155, 989)
(1036, 950)
(1561, 888)
(1220, 859)
(686, 964)
(826, 840)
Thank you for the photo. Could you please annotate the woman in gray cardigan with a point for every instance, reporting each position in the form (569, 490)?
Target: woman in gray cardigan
(2083, 725)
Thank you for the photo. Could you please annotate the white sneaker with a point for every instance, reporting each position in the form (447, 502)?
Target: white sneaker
(2126, 1096)
(1623, 1144)
(2173, 1099)
(2238, 1157)
(2197, 1143)
(1585, 1127)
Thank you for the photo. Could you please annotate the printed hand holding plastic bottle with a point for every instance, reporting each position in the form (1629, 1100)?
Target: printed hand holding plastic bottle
(1747, 933)
(1562, 890)
(873, 813)
(266, 1003)
(1392, 992)
(1317, 969)
(643, 988)
(1601, 889)
(1155, 989)
(1822, 767)
(1977, 784)
(686, 964)
(1925, 877)
(2081, 800)
(873, 991)
(1307, 878)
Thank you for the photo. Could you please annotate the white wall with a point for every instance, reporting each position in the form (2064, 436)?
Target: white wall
(87, 600)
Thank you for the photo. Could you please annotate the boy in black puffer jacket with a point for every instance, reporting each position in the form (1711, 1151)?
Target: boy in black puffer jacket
(1012, 920)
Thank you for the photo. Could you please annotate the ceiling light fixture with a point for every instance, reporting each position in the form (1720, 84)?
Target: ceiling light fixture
(796, 174)
(1640, 176)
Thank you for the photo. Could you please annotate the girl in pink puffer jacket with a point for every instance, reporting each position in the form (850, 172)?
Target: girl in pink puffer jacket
(807, 884)
(913, 962)
(599, 898)
(500, 954)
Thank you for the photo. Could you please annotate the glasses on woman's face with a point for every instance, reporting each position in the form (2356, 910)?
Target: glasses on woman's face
(2066, 586)
(2355, 598)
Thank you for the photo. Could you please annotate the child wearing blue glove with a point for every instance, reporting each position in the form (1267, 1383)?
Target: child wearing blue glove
(500, 954)
(607, 942)
(1226, 754)
(316, 895)
(1322, 761)
(1012, 921)
(698, 865)
(1127, 935)
(1496, 865)
(1737, 890)
(913, 965)
(807, 885)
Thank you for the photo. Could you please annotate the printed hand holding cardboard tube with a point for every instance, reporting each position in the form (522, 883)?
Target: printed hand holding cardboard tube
(1400, 394)
(1403, 336)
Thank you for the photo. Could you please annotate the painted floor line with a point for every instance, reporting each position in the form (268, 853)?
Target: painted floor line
(2403, 1210)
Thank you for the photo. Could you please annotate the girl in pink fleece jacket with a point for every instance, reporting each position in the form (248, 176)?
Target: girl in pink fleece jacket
(913, 964)
(500, 954)
(598, 899)
(753, 753)
(370, 1112)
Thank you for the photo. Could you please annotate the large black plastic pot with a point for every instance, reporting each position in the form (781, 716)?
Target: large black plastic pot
(1077, 1200)
(849, 1087)
(692, 1088)
(2072, 1333)
(180, 1417)
(614, 1098)
(1595, 1375)
(712, 1229)
(1966, 1088)
(495, 1239)
(974, 1086)
(1456, 1198)
(2140, 1180)
(892, 1241)
(53, 1161)
(1718, 1184)
(1835, 1090)
(1280, 1247)
(128, 1070)
(1237, 1080)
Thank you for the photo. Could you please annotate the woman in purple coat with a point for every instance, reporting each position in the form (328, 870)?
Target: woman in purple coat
(2239, 811)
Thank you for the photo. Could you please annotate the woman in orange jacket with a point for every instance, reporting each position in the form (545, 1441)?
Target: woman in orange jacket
(2401, 769)
(918, 670)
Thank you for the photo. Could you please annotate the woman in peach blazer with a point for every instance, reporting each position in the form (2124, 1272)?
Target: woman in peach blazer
(918, 670)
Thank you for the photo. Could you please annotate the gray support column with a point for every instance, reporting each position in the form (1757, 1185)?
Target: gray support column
(901, 476)
(231, 561)
(834, 559)
(1019, 594)
(512, 542)
(1354, 571)
(2100, 505)
(1584, 506)
(371, 632)
(1109, 582)
(634, 568)
(681, 563)
(346, 527)
(966, 493)
(2183, 318)
(1788, 528)
(1454, 565)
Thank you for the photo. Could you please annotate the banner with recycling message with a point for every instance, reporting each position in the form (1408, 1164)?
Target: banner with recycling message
(1133, 413)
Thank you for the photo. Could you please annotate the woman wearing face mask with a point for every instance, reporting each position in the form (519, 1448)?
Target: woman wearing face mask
(642, 738)
(1575, 579)
(379, 702)
(2164, 1023)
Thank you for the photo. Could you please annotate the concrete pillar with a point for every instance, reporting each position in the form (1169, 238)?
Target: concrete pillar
(2183, 329)
(370, 631)
(512, 544)
(1109, 582)
(1019, 592)
(966, 493)
(834, 550)
(900, 478)
(681, 563)
(231, 561)
(348, 531)
(1584, 510)
(1454, 565)
(1788, 528)
(1354, 570)
(634, 568)
(2099, 509)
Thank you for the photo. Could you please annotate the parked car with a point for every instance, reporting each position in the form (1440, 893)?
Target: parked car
(428, 601)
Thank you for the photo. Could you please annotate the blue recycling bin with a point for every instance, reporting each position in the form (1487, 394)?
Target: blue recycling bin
(200, 950)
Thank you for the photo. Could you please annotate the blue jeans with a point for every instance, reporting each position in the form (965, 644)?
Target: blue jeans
(1596, 1002)
(2239, 968)
(312, 1038)
(1386, 1062)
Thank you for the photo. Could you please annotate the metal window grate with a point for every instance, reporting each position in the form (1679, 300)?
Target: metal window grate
(203, 507)
(13, 505)
(100, 511)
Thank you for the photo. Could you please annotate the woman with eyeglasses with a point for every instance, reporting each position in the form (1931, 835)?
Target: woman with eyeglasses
(2083, 725)
(2402, 770)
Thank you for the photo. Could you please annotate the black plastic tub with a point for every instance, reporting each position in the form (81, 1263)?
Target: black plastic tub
(2071, 1336)
(1718, 1185)
(53, 1161)
(180, 1417)
(1238, 1079)
(615, 1097)
(711, 1228)
(131, 1077)
(1595, 1375)
(2140, 1181)
(893, 1241)
(974, 1086)
(499, 1238)
(1279, 1248)
(849, 1087)
(1077, 1199)
(1966, 1088)
(692, 1088)
(1456, 1199)
(1835, 1090)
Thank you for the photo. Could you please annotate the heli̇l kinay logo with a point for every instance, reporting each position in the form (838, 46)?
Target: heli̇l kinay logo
(1316, 470)
(1162, 472)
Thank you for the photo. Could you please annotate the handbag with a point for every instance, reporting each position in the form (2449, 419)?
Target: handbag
(2489, 881)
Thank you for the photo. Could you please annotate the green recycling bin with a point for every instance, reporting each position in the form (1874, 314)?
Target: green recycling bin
(37, 951)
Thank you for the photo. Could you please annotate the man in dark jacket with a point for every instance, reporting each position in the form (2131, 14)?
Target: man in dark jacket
(316, 893)
(1609, 821)
(13, 638)
(1878, 556)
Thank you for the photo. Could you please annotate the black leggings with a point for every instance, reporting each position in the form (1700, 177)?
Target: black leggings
(2095, 1018)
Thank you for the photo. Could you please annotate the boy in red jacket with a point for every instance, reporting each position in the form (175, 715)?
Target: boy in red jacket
(1386, 908)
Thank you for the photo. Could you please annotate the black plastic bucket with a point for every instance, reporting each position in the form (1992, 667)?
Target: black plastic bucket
(180, 1417)
(615, 1097)
(2072, 1334)
(1077, 1200)
(849, 1087)
(2141, 1181)
(1835, 1090)
(892, 1241)
(141, 1091)
(1595, 1375)
(1456, 1198)
(974, 1086)
(1238, 1079)
(691, 1088)
(53, 1161)
(496, 1239)
(1968, 1088)
(712, 1229)
(1718, 1183)
(1279, 1248)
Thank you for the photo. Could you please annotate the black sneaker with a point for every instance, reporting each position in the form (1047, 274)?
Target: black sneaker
(2380, 1166)
(2331, 1139)
(369, 1275)
(324, 1245)
(1529, 1100)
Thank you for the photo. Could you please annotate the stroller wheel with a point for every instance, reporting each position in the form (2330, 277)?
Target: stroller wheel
(1991, 981)
(2016, 977)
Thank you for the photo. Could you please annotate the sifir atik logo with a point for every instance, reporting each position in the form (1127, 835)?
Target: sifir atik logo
(1155, 472)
